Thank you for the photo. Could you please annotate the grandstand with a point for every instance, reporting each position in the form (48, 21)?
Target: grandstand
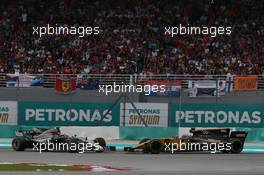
(132, 37)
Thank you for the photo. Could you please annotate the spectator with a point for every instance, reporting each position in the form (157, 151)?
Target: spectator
(131, 40)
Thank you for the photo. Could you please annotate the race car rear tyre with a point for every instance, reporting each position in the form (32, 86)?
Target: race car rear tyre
(236, 146)
(100, 141)
(155, 147)
(19, 144)
(143, 140)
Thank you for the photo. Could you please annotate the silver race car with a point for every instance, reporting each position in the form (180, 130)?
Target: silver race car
(42, 140)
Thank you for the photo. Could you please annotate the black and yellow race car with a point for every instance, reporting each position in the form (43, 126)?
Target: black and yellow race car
(212, 140)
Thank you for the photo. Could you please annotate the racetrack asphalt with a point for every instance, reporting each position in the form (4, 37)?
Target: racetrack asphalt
(144, 164)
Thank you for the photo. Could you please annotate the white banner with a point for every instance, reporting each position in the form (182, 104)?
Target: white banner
(8, 113)
(206, 88)
(154, 114)
(23, 80)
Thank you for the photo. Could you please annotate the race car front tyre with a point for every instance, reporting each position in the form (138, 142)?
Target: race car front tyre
(101, 142)
(19, 144)
(236, 146)
(155, 146)
(146, 148)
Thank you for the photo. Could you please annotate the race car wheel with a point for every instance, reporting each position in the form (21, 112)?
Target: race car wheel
(143, 140)
(155, 147)
(146, 148)
(19, 144)
(101, 142)
(236, 146)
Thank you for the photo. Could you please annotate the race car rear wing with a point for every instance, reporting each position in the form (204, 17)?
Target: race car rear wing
(221, 134)
(241, 135)
(30, 133)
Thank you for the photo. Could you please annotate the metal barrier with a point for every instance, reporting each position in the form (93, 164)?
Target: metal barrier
(224, 106)
(106, 79)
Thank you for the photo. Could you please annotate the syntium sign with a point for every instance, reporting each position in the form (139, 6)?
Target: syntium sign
(8, 112)
(153, 114)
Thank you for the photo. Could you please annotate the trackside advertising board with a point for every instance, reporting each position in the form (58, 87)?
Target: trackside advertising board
(154, 114)
(220, 115)
(67, 114)
(8, 113)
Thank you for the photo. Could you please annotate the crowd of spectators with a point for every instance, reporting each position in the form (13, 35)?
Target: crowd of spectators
(132, 37)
